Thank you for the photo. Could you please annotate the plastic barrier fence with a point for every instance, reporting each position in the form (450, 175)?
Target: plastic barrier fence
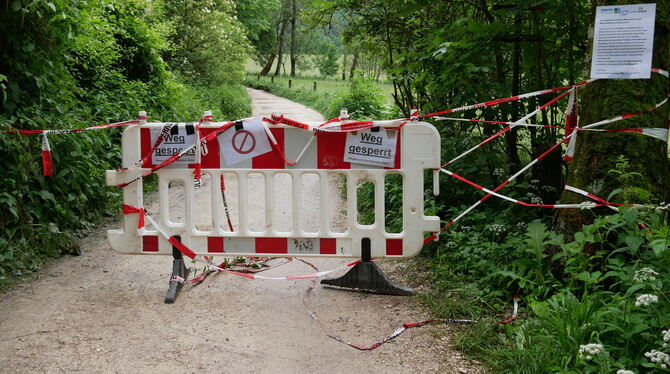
(417, 147)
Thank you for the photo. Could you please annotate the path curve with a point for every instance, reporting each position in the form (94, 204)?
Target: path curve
(104, 312)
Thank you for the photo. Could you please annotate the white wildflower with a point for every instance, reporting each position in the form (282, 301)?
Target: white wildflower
(496, 228)
(646, 300)
(622, 371)
(466, 228)
(521, 226)
(587, 351)
(498, 172)
(658, 357)
(666, 335)
(534, 181)
(451, 245)
(587, 205)
(645, 275)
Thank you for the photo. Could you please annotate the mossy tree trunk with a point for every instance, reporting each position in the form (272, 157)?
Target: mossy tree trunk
(598, 153)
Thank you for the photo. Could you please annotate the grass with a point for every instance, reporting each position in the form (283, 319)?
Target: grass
(305, 81)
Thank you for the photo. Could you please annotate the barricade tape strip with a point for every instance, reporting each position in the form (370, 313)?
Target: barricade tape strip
(186, 251)
(507, 128)
(524, 96)
(591, 196)
(536, 160)
(507, 99)
(70, 131)
(47, 162)
(519, 202)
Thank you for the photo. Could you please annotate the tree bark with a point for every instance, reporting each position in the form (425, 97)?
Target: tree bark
(282, 34)
(268, 65)
(511, 138)
(294, 15)
(597, 153)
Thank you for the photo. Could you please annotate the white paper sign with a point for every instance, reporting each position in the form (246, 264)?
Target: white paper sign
(244, 143)
(623, 41)
(175, 142)
(371, 148)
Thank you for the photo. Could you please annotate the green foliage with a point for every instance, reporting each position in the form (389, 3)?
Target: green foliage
(364, 100)
(627, 178)
(73, 64)
(327, 62)
(207, 43)
(586, 291)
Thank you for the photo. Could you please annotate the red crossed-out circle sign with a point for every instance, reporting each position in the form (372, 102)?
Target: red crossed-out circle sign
(243, 142)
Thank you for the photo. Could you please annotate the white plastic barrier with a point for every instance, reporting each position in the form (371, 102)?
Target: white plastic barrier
(418, 148)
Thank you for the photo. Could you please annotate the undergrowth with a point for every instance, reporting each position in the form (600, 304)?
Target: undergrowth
(596, 313)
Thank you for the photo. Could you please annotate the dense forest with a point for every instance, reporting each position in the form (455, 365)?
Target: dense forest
(592, 281)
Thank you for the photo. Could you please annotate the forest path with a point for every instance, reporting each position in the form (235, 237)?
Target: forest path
(104, 312)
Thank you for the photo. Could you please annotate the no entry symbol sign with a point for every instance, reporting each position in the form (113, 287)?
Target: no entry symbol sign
(243, 142)
(239, 144)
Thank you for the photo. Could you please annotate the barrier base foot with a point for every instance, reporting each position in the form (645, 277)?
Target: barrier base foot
(179, 275)
(368, 276)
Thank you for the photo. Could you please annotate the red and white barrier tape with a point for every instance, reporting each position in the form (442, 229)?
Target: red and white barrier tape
(47, 162)
(654, 132)
(536, 160)
(70, 131)
(514, 312)
(507, 128)
(185, 250)
(519, 202)
(523, 96)
(507, 99)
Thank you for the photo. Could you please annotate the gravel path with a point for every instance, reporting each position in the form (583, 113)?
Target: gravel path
(104, 312)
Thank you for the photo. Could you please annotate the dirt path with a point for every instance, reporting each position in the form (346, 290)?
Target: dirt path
(104, 312)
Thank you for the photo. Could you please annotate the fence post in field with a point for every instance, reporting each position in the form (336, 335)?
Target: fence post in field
(290, 83)
(314, 85)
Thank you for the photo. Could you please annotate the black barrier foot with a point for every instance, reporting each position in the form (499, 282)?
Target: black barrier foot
(179, 275)
(366, 275)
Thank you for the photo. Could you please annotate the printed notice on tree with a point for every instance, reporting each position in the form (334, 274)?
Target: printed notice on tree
(368, 147)
(623, 41)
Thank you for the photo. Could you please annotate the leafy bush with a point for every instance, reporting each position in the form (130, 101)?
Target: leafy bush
(364, 100)
(328, 61)
(98, 61)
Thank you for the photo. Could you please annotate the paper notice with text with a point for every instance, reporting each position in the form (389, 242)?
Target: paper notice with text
(376, 148)
(623, 41)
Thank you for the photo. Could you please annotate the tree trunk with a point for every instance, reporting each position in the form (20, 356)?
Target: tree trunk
(344, 66)
(268, 65)
(598, 153)
(511, 138)
(280, 37)
(294, 15)
(354, 63)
